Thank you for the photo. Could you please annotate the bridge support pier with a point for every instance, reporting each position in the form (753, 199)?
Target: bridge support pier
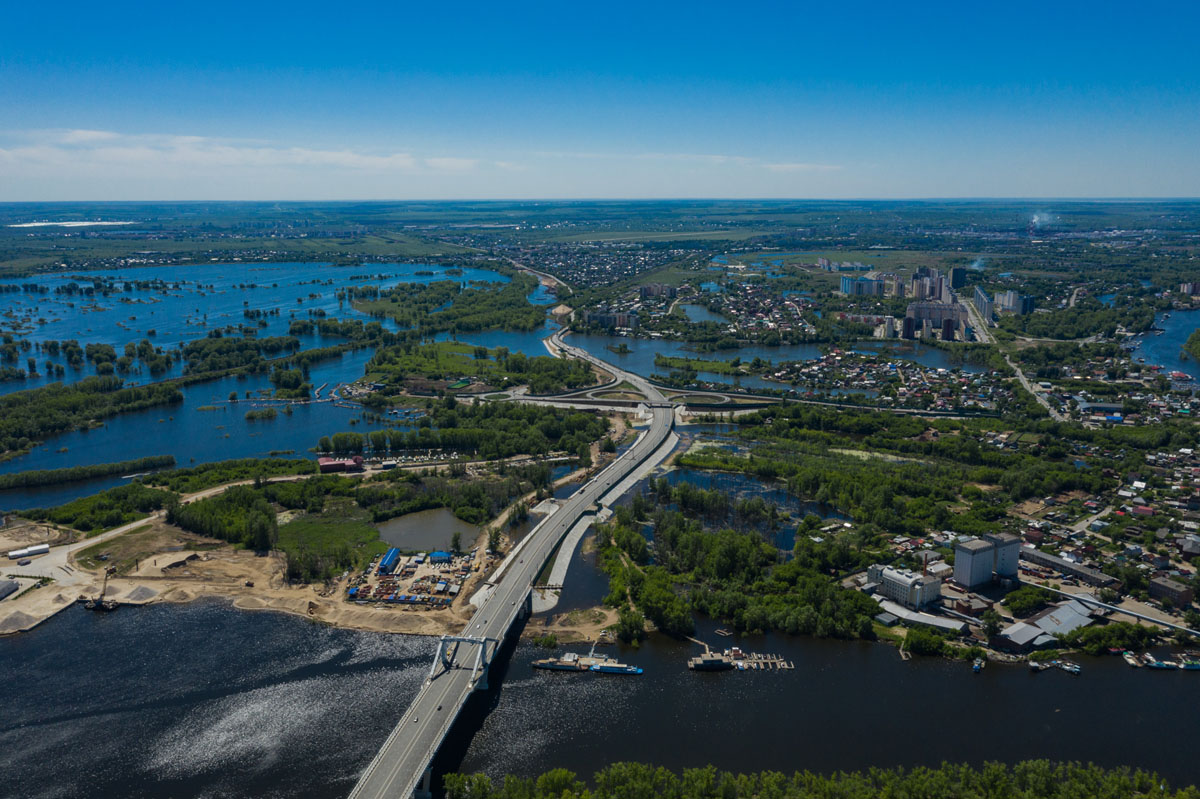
(447, 655)
(425, 789)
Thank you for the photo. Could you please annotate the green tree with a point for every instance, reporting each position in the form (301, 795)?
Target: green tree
(991, 623)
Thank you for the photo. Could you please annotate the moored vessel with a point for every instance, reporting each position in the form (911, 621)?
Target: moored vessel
(710, 661)
(613, 667)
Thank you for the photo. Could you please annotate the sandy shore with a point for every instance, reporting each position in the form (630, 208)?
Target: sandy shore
(174, 566)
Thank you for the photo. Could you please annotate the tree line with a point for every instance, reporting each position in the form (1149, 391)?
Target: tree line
(39, 413)
(72, 474)
(488, 430)
(1027, 779)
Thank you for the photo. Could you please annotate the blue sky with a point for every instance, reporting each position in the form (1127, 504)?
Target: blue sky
(539, 100)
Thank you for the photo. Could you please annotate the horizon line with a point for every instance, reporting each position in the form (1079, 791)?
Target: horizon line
(947, 198)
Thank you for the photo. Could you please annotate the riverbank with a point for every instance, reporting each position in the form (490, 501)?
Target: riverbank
(161, 563)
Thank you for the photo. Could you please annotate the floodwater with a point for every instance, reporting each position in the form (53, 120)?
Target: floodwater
(426, 530)
(742, 486)
(183, 303)
(206, 426)
(192, 435)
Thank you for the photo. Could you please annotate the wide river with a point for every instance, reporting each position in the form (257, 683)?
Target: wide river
(205, 700)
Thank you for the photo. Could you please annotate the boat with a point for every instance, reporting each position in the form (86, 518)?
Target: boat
(1068, 666)
(572, 661)
(978, 665)
(612, 667)
(1189, 664)
(1154, 663)
(710, 661)
(1035, 666)
(1131, 659)
(568, 662)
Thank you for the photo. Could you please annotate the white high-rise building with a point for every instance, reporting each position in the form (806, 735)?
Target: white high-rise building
(973, 562)
(1006, 555)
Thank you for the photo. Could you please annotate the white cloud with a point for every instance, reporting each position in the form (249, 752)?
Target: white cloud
(801, 167)
(448, 164)
(98, 150)
(707, 159)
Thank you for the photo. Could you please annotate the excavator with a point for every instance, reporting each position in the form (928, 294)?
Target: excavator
(100, 603)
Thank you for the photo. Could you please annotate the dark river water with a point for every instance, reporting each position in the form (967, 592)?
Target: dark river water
(205, 700)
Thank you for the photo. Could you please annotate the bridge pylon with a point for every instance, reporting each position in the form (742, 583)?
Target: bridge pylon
(447, 657)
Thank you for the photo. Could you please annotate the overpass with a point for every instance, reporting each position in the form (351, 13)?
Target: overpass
(401, 767)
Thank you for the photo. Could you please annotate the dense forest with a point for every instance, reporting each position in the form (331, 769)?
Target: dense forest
(731, 575)
(105, 510)
(72, 474)
(486, 430)
(1089, 317)
(240, 515)
(217, 352)
(36, 414)
(497, 367)
(198, 478)
(1029, 779)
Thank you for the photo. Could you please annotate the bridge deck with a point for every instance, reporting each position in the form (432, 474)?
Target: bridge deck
(400, 765)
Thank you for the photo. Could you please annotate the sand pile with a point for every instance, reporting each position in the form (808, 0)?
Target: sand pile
(16, 622)
(141, 594)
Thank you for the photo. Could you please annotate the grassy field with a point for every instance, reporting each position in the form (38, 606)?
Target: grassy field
(341, 526)
(41, 251)
(142, 542)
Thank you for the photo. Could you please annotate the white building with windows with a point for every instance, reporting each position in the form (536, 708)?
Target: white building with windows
(909, 588)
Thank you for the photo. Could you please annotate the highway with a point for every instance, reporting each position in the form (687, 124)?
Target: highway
(643, 385)
(399, 767)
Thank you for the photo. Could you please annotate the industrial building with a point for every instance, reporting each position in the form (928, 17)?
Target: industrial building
(28, 552)
(912, 618)
(8, 587)
(328, 465)
(907, 587)
(1066, 567)
(1041, 630)
(973, 561)
(387, 563)
(1006, 555)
